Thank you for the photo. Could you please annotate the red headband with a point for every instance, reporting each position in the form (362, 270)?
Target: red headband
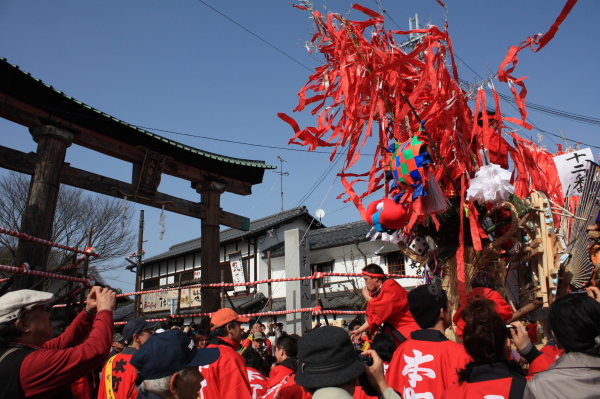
(377, 275)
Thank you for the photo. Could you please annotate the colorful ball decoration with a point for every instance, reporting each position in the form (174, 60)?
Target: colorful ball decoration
(408, 163)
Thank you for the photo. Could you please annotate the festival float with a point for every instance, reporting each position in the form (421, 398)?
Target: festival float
(447, 179)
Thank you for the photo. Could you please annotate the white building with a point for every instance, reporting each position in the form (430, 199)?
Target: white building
(339, 249)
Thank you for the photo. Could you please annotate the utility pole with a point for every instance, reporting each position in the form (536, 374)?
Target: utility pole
(413, 38)
(281, 173)
(138, 270)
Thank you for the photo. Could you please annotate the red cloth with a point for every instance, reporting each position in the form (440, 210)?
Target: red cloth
(502, 307)
(278, 373)
(258, 382)
(550, 354)
(123, 376)
(497, 380)
(390, 305)
(83, 347)
(426, 363)
(287, 389)
(226, 378)
(81, 389)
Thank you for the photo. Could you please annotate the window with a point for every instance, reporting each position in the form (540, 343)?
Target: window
(395, 262)
(189, 262)
(180, 264)
(151, 284)
(171, 268)
(155, 270)
(324, 267)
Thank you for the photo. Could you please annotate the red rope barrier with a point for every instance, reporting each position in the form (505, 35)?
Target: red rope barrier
(23, 236)
(315, 276)
(25, 270)
(317, 310)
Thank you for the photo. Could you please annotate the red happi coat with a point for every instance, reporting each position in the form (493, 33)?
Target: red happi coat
(502, 307)
(390, 307)
(287, 389)
(122, 376)
(258, 382)
(427, 363)
(497, 380)
(278, 373)
(226, 377)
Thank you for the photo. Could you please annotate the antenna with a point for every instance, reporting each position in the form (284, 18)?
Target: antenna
(281, 173)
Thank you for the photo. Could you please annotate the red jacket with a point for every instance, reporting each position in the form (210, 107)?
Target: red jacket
(496, 380)
(123, 376)
(426, 363)
(83, 347)
(227, 377)
(502, 307)
(258, 382)
(390, 306)
(278, 373)
(542, 360)
(287, 389)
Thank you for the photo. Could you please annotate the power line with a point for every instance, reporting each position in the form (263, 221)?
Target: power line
(268, 43)
(553, 111)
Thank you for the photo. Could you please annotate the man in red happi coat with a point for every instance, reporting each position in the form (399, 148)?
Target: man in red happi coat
(387, 306)
(227, 377)
(282, 383)
(428, 363)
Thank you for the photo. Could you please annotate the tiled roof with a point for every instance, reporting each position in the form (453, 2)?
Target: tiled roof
(257, 226)
(23, 86)
(330, 237)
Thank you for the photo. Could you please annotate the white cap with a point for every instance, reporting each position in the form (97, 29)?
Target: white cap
(13, 302)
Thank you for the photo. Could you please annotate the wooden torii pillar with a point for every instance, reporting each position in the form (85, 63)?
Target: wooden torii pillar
(210, 194)
(38, 217)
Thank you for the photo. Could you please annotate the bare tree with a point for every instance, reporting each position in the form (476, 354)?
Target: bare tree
(76, 212)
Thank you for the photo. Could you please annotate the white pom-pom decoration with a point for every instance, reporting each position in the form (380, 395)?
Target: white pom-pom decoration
(491, 185)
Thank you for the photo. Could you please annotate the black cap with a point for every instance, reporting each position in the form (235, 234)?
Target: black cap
(326, 358)
(425, 303)
(134, 326)
(166, 353)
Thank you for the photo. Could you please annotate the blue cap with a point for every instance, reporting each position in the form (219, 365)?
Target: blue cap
(166, 353)
(135, 326)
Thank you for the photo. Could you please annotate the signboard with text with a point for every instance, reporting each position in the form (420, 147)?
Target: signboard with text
(572, 168)
(157, 301)
(237, 270)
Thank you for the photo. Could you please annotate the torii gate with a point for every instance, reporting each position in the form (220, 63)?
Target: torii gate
(56, 120)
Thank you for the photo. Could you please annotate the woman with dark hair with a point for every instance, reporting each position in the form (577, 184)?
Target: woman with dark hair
(575, 323)
(483, 286)
(487, 341)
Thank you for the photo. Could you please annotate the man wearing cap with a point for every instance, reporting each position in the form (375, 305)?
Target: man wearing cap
(117, 345)
(32, 364)
(329, 367)
(118, 375)
(387, 306)
(428, 362)
(168, 366)
(258, 329)
(227, 377)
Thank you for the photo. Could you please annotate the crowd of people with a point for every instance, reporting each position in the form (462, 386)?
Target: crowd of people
(401, 350)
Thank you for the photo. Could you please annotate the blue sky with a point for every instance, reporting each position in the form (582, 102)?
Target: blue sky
(180, 66)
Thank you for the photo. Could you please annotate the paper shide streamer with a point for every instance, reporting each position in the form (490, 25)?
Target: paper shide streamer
(371, 90)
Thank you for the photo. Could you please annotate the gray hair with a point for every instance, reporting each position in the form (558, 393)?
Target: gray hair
(159, 386)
